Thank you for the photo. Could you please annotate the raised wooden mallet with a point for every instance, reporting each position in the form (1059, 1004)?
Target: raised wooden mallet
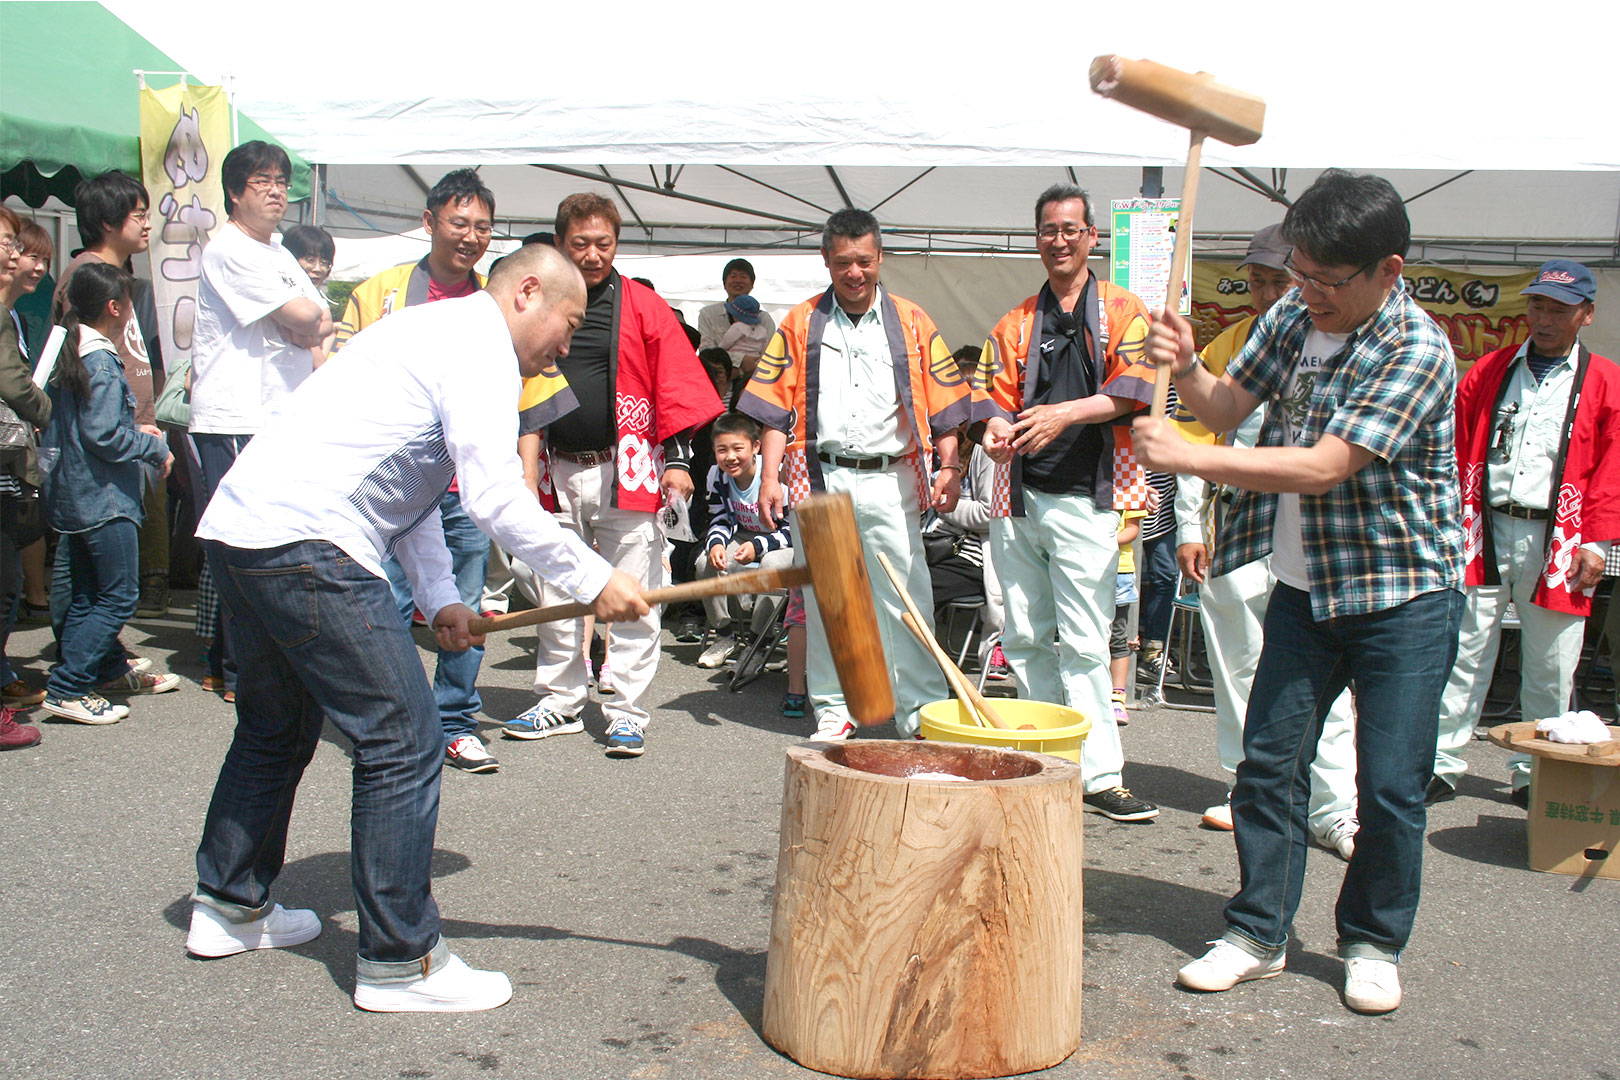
(824, 529)
(1204, 107)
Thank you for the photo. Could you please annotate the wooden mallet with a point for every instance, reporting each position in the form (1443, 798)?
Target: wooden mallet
(824, 529)
(1204, 107)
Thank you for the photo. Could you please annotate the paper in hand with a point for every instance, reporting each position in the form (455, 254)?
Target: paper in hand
(48, 355)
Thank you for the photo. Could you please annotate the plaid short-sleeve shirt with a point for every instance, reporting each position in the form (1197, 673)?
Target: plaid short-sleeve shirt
(1393, 530)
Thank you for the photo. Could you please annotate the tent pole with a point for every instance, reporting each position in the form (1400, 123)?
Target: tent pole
(318, 196)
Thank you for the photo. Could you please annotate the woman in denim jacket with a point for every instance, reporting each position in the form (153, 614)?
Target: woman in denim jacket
(92, 494)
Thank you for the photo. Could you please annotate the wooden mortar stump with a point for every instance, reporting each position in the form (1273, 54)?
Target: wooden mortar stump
(926, 928)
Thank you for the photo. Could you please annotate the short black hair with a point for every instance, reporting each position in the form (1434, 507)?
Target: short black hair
(739, 264)
(247, 159)
(105, 202)
(735, 423)
(1063, 193)
(852, 225)
(307, 240)
(717, 356)
(458, 186)
(1349, 219)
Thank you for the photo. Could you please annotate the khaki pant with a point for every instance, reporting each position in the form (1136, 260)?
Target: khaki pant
(631, 541)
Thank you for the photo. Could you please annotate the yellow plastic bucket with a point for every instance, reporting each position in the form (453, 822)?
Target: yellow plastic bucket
(1059, 730)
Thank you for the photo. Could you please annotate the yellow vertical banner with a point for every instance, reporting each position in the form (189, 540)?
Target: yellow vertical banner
(185, 135)
(1479, 312)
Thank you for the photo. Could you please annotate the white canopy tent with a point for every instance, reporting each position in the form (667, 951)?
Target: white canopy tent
(728, 129)
(724, 130)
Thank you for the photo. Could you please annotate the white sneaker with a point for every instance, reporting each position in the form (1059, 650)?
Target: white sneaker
(1371, 985)
(455, 987)
(140, 682)
(718, 651)
(1219, 816)
(833, 729)
(88, 709)
(1226, 965)
(212, 934)
(1341, 836)
(468, 753)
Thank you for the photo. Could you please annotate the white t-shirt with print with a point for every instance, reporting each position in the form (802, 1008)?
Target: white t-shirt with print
(1287, 535)
(242, 366)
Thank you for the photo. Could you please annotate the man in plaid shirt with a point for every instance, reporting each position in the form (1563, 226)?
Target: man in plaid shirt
(1353, 491)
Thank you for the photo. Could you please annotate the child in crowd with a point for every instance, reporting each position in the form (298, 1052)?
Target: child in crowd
(93, 498)
(314, 249)
(1119, 648)
(737, 539)
(745, 339)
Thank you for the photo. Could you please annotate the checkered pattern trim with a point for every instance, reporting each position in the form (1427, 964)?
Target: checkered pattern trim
(1130, 481)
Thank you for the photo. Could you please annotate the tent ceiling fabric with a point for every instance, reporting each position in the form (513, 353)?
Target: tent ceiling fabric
(69, 99)
(1404, 89)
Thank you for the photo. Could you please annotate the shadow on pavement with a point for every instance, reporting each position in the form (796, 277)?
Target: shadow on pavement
(1494, 841)
(1173, 787)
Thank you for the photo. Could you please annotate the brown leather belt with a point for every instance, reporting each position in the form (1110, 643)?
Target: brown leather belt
(1523, 513)
(588, 457)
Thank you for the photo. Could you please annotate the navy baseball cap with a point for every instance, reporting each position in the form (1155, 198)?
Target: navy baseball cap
(1563, 280)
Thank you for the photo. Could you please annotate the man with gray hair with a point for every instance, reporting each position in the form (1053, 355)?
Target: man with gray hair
(1063, 371)
(348, 473)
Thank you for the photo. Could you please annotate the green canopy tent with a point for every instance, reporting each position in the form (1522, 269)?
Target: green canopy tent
(69, 102)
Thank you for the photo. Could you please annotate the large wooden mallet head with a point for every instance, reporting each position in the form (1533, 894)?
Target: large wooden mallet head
(824, 529)
(1202, 106)
(1196, 102)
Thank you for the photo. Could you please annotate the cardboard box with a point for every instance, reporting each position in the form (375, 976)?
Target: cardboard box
(1575, 817)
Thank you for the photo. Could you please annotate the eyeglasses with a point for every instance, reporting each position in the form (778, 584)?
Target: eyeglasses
(11, 244)
(268, 183)
(460, 226)
(1302, 279)
(1068, 232)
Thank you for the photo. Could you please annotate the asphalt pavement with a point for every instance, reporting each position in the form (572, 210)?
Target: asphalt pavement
(630, 902)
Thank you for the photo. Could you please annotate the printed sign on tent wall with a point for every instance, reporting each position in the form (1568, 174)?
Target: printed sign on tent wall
(1141, 248)
(185, 135)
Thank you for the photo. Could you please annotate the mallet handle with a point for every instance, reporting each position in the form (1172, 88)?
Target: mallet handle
(953, 674)
(748, 581)
(1178, 260)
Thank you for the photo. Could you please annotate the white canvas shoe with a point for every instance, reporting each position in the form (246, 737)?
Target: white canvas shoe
(213, 935)
(455, 987)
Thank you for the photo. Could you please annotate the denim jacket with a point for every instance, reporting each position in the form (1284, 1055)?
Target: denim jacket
(96, 475)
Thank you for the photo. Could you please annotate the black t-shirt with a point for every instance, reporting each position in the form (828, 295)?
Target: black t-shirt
(1068, 464)
(591, 426)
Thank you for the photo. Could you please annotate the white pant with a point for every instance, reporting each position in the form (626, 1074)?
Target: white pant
(1057, 566)
(1549, 649)
(722, 611)
(887, 519)
(1233, 610)
(630, 540)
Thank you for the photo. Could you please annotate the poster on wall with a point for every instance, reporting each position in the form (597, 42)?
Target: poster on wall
(185, 135)
(1480, 312)
(1142, 247)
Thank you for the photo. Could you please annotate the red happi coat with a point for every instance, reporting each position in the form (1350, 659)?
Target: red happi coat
(660, 390)
(1586, 506)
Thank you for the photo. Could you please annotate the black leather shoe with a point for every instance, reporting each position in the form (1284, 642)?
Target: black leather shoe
(1438, 791)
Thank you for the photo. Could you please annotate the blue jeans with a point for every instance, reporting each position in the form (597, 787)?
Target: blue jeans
(11, 587)
(455, 680)
(216, 454)
(1158, 586)
(1398, 660)
(318, 637)
(103, 569)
